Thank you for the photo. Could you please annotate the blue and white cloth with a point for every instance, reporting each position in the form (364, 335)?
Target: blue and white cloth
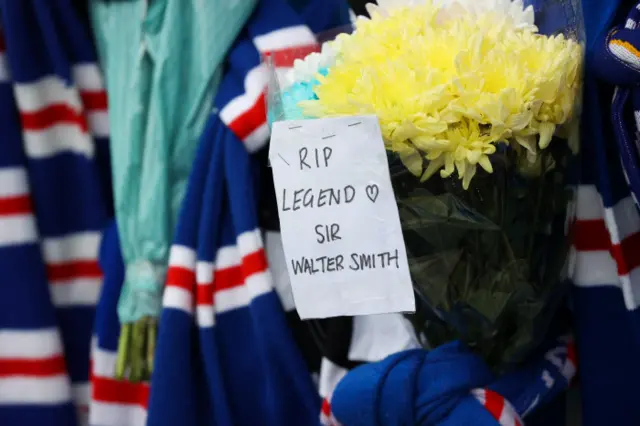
(607, 268)
(225, 354)
(53, 207)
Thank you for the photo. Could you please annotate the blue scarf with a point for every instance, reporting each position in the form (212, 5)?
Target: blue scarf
(450, 386)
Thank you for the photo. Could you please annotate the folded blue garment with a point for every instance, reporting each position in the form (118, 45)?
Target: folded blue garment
(449, 386)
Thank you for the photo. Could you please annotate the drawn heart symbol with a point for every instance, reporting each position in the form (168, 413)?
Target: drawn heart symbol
(372, 192)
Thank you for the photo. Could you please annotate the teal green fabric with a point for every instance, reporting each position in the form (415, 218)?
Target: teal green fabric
(163, 62)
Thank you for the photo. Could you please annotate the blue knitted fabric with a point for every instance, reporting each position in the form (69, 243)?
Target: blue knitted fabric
(449, 386)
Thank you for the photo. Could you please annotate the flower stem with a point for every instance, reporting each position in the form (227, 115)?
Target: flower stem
(152, 332)
(136, 350)
(137, 364)
(536, 217)
(123, 351)
(510, 253)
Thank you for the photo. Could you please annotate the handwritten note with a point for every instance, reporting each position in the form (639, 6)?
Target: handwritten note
(338, 217)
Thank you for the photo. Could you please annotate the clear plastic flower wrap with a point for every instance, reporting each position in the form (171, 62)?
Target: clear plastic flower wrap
(478, 103)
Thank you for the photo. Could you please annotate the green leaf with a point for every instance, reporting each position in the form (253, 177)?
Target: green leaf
(491, 304)
(447, 209)
(431, 275)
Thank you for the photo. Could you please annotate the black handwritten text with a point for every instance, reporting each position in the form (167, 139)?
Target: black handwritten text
(358, 262)
(320, 157)
(312, 197)
(322, 264)
(362, 261)
(327, 233)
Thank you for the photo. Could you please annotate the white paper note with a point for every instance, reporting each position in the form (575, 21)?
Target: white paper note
(375, 337)
(338, 217)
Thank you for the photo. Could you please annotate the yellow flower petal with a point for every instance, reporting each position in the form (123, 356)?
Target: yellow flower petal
(406, 130)
(449, 167)
(546, 133)
(519, 121)
(460, 153)
(466, 180)
(527, 142)
(453, 87)
(489, 149)
(412, 160)
(427, 143)
(474, 156)
(434, 166)
(461, 166)
(433, 154)
(485, 163)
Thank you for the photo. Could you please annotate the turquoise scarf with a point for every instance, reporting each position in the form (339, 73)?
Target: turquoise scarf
(162, 60)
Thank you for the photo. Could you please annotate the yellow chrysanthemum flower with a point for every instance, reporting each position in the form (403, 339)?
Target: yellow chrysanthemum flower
(464, 146)
(448, 85)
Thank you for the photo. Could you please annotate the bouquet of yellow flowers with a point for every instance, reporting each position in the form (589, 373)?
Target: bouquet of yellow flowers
(478, 111)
